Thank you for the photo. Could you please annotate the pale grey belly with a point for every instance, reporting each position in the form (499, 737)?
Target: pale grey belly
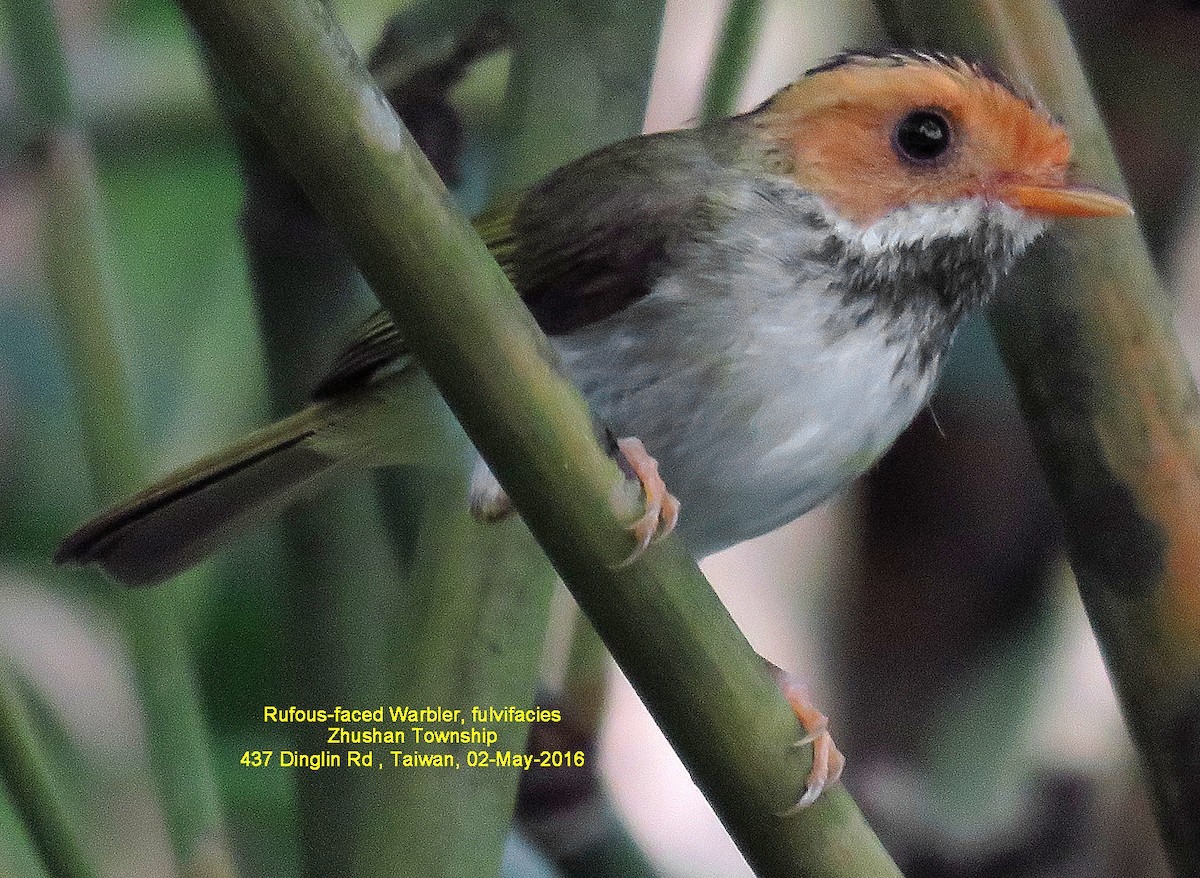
(749, 440)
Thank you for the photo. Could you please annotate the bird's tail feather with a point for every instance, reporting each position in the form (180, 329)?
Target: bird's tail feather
(396, 419)
(180, 520)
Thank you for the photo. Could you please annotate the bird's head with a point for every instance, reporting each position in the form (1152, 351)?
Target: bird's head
(908, 148)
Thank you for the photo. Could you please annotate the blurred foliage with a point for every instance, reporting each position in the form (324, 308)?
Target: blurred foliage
(187, 328)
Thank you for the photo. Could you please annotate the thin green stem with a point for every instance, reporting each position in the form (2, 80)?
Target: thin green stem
(585, 686)
(303, 281)
(39, 65)
(663, 623)
(34, 793)
(735, 50)
(480, 595)
(558, 808)
(577, 79)
(77, 273)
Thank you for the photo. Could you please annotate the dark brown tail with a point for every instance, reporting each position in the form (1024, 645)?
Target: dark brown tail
(395, 419)
(182, 519)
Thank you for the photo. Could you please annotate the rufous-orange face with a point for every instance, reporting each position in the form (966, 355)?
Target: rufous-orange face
(873, 135)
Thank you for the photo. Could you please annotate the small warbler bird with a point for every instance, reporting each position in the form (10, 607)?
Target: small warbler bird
(757, 307)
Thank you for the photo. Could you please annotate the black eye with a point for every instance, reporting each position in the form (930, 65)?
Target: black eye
(921, 136)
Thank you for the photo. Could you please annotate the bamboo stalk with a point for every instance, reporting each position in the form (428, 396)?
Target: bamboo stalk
(570, 812)
(577, 79)
(332, 564)
(33, 791)
(585, 685)
(474, 632)
(662, 622)
(1112, 409)
(77, 273)
(735, 50)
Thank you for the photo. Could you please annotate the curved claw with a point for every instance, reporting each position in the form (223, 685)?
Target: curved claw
(811, 793)
(827, 766)
(662, 509)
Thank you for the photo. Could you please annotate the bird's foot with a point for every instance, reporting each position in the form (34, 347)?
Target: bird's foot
(662, 509)
(489, 501)
(827, 761)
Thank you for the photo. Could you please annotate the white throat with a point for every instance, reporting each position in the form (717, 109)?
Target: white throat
(922, 224)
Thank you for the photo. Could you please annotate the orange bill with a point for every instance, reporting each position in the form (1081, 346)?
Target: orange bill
(1065, 200)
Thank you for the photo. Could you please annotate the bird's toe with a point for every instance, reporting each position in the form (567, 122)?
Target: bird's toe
(661, 514)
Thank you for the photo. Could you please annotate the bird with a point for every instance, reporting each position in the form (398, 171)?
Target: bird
(753, 308)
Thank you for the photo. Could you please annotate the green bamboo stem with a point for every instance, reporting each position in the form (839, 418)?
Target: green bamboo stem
(18, 856)
(178, 743)
(577, 78)
(466, 630)
(34, 793)
(333, 564)
(477, 610)
(735, 50)
(585, 685)
(77, 274)
(137, 96)
(39, 66)
(1112, 410)
(662, 622)
(570, 813)
(474, 631)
